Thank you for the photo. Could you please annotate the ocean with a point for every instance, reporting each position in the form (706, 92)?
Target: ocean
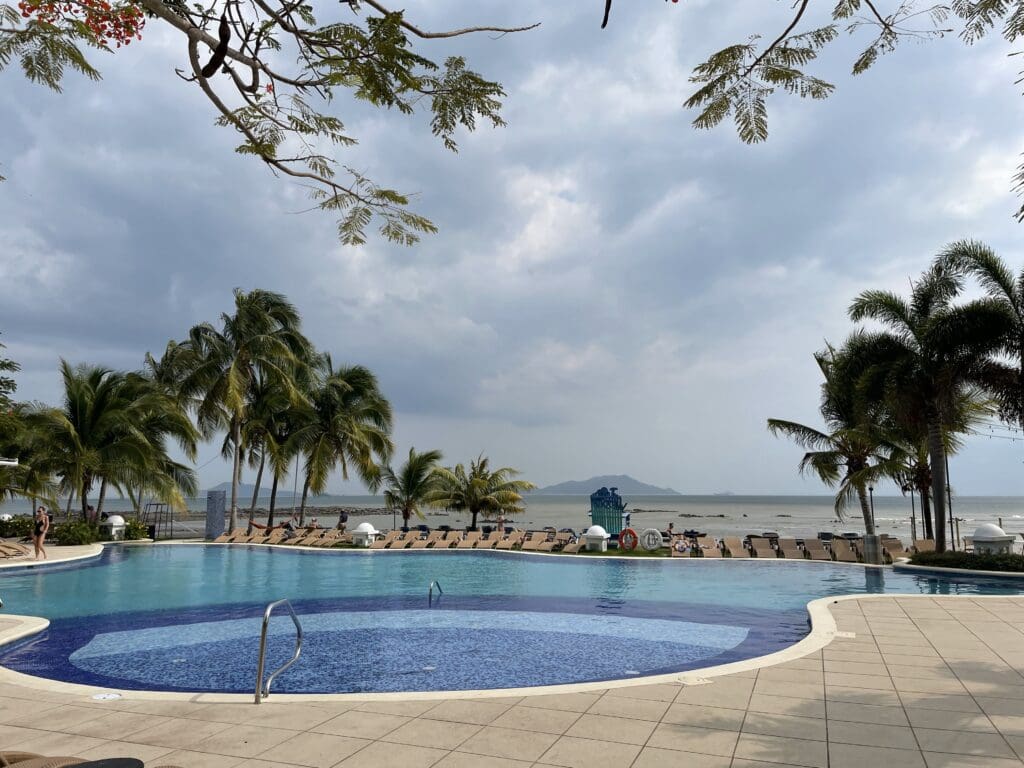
(715, 515)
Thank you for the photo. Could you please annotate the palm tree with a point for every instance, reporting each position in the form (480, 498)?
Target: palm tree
(1006, 382)
(410, 487)
(261, 341)
(478, 490)
(347, 424)
(930, 349)
(112, 428)
(850, 441)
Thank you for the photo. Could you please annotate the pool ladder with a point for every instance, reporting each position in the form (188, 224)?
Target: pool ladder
(262, 691)
(430, 591)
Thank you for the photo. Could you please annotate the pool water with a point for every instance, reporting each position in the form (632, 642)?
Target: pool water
(187, 617)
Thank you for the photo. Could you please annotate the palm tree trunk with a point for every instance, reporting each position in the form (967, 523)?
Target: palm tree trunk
(85, 497)
(273, 499)
(67, 509)
(103, 495)
(865, 508)
(937, 459)
(236, 468)
(926, 512)
(259, 480)
(472, 526)
(302, 508)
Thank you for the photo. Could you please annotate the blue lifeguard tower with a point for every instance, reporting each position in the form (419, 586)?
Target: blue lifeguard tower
(608, 510)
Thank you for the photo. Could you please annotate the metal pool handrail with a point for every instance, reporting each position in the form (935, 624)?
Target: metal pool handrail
(262, 691)
(430, 591)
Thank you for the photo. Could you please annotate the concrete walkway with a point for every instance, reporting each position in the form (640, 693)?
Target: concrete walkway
(915, 682)
(54, 554)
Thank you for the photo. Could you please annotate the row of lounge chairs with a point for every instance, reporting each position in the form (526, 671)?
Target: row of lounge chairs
(10, 549)
(838, 550)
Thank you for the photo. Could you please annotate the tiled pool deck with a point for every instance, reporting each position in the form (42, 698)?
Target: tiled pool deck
(910, 682)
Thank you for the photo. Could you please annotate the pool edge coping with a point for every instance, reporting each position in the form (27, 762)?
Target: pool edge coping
(823, 631)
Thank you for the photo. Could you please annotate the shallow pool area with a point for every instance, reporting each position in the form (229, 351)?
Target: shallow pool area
(187, 617)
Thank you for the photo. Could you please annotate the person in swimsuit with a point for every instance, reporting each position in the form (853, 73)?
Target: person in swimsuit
(39, 530)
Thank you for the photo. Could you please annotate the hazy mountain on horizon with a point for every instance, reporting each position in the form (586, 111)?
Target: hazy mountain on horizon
(625, 484)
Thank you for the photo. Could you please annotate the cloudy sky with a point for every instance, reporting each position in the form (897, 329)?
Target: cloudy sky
(610, 291)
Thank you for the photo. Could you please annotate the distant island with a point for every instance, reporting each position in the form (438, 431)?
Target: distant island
(625, 484)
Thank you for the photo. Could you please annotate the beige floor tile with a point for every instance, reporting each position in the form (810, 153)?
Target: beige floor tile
(589, 753)
(250, 763)
(295, 717)
(996, 706)
(603, 727)
(652, 757)
(874, 682)
(404, 708)
(16, 709)
(871, 735)
(467, 711)
(856, 667)
(200, 760)
(793, 690)
(319, 750)
(704, 717)
(773, 749)
(862, 696)
(466, 760)
(109, 749)
(116, 725)
(436, 734)
(722, 692)
(855, 756)
(568, 702)
(940, 701)
(506, 742)
(963, 742)
(784, 705)
(739, 763)
(785, 726)
(787, 674)
(361, 725)
(866, 713)
(949, 721)
(56, 719)
(166, 708)
(244, 740)
(661, 692)
(1011, 725)
(687, 738)
(235, 713)
(941, 760)
(52, 743)
(539, 720)
(639, 709)
(929, 685)
(381, 754)
(863, 657)
(177, 733)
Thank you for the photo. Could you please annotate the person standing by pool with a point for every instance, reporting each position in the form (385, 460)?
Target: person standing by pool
(39, 531)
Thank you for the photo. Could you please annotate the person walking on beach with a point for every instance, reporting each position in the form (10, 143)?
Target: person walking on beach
(39, 530)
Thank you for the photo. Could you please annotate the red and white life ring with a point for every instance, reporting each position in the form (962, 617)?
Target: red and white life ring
(628, 539)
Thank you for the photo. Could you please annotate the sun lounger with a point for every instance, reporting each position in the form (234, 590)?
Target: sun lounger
(734, 545)
(816, 550)
(470, 540)
(384, 541)
(760, 547)
(844, 552)
(329, 539)
(573, 547)
(8, 549)
(924, 545)
(710, 548)
(533, 543)
(508, 541)
(554, 544)
(790, 550)
(426, 541)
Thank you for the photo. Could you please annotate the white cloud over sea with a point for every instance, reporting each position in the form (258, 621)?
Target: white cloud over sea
(610, 291)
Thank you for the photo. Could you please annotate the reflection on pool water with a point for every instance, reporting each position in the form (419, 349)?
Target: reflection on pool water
(187, 617)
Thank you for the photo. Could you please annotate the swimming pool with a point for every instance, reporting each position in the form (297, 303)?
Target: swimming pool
(187, 617)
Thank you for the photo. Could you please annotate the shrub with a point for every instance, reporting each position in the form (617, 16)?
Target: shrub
(135, 529)
(75, 532)
(20, 527)
(969, 561)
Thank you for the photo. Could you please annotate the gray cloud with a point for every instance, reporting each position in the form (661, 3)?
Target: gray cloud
(610, 290)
